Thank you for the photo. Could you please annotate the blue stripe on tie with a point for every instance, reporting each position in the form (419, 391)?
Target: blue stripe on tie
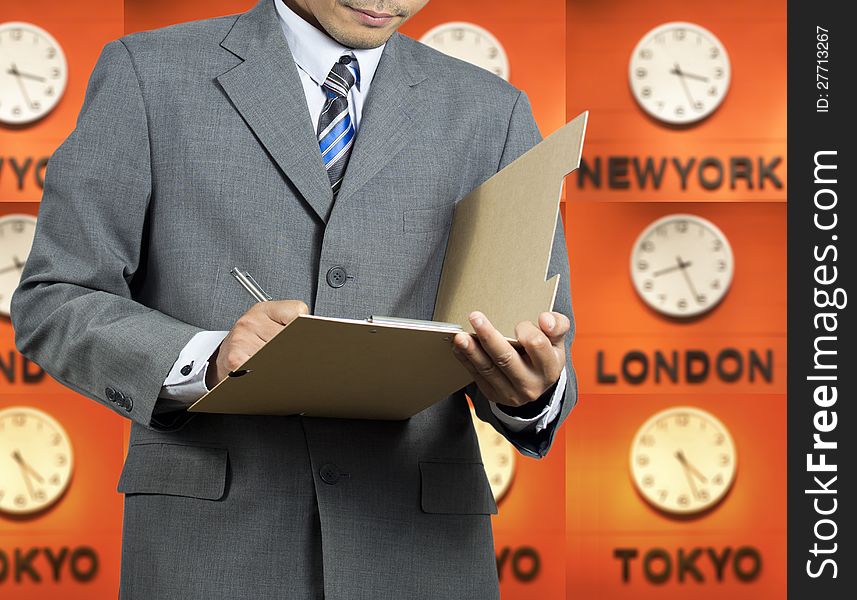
(334, 133)
(334, 149)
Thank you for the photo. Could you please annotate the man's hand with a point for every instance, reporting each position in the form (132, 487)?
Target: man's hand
(251, 331)
(503, 375)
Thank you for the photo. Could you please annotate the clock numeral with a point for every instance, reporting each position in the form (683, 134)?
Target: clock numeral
(642, 265)
(36, 105)
(718, 73)
(661, 230)
(662, 298)
(20, 500)
(502, 459)
(646, 53)
(701, 299)
(493, 52)
(648, 285)
(719, 439)
(702, 425)
(682, 420)
(17, 226)
(715, 285)
(56, 439)
(16, 110)
(49, 91)
(681, 304)
(55, 72)
(648, 246)
(648, 481)
(647, 440)
(40, 494)
(663, 424)
(660, 38)
(704, 495)
(712, 91)
(662, 495)
(641, 72)
(721, 265)
(19, 420)
(646, 92)
(681, 226)
(714, 52)
(642, 460)
(724, 460)
(717, 244)
(15, 34)
(61, 459)
(55, 479)
(718, 479)
(458, 34)
(683, 500)
(679, 111)
(679, 34)
(698, 106)
(660, 105)
(51, 52)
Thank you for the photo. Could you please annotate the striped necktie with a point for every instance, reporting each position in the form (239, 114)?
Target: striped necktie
(335, 129)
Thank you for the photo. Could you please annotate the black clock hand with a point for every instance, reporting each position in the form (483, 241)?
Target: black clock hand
(677, 71)
(24, 474)
(21, 84)
(25, 465)
(681, 459)
(670, 269)
(680, 455)
(15, 71)
(683, 266)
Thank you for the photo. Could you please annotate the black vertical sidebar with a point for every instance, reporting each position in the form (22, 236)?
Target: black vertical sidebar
(822, 361)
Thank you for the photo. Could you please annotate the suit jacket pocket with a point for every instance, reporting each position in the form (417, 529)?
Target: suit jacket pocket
(456, 488)
(175, 470)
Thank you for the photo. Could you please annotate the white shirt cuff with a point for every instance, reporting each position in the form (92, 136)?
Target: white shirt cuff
(186, 380)
(540, 421)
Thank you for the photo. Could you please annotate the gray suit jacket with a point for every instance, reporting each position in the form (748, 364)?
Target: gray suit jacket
(194, 152)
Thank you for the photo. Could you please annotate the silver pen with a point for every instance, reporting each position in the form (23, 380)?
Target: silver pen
(249, 284)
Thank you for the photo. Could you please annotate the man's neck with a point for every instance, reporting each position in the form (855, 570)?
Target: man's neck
(300, 9)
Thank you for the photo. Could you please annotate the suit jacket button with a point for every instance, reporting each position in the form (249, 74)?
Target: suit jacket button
(128, 404)
(329, 474)
(336, 277)
(186, 369)
(110, 393)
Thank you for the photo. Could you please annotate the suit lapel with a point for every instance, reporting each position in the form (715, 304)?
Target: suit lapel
(266, 90)
(392, 115)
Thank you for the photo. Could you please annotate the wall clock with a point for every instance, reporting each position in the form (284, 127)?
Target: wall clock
(498, 456)
(683, 460)
(35, 460)
(679, 73)
(470, 43)
(33, 72)
(16, 239)
(682, 265)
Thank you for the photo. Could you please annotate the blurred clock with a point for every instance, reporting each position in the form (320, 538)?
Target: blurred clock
(35, 460)
(682, 265)
(683, 460)
(498, 456)
(16, 238)
(679, 73)
(470, 43)
(33, 72)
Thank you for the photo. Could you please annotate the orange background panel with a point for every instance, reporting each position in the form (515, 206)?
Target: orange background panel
(601, 237)
(82, 29)
(605, 511)
(751, 121)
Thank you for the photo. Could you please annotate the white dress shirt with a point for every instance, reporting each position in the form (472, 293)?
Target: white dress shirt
(314, 53)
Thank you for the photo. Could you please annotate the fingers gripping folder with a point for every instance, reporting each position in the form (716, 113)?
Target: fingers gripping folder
(496, 261)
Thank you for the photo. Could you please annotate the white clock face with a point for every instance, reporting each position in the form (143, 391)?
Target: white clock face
(682, 265)
(33, 72)
(35, 460)
(498, 456)
(470, 43)
(679, 73)
(16, 239)
(683, 460)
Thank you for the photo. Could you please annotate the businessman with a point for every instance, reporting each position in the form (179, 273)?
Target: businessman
(309, 142)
